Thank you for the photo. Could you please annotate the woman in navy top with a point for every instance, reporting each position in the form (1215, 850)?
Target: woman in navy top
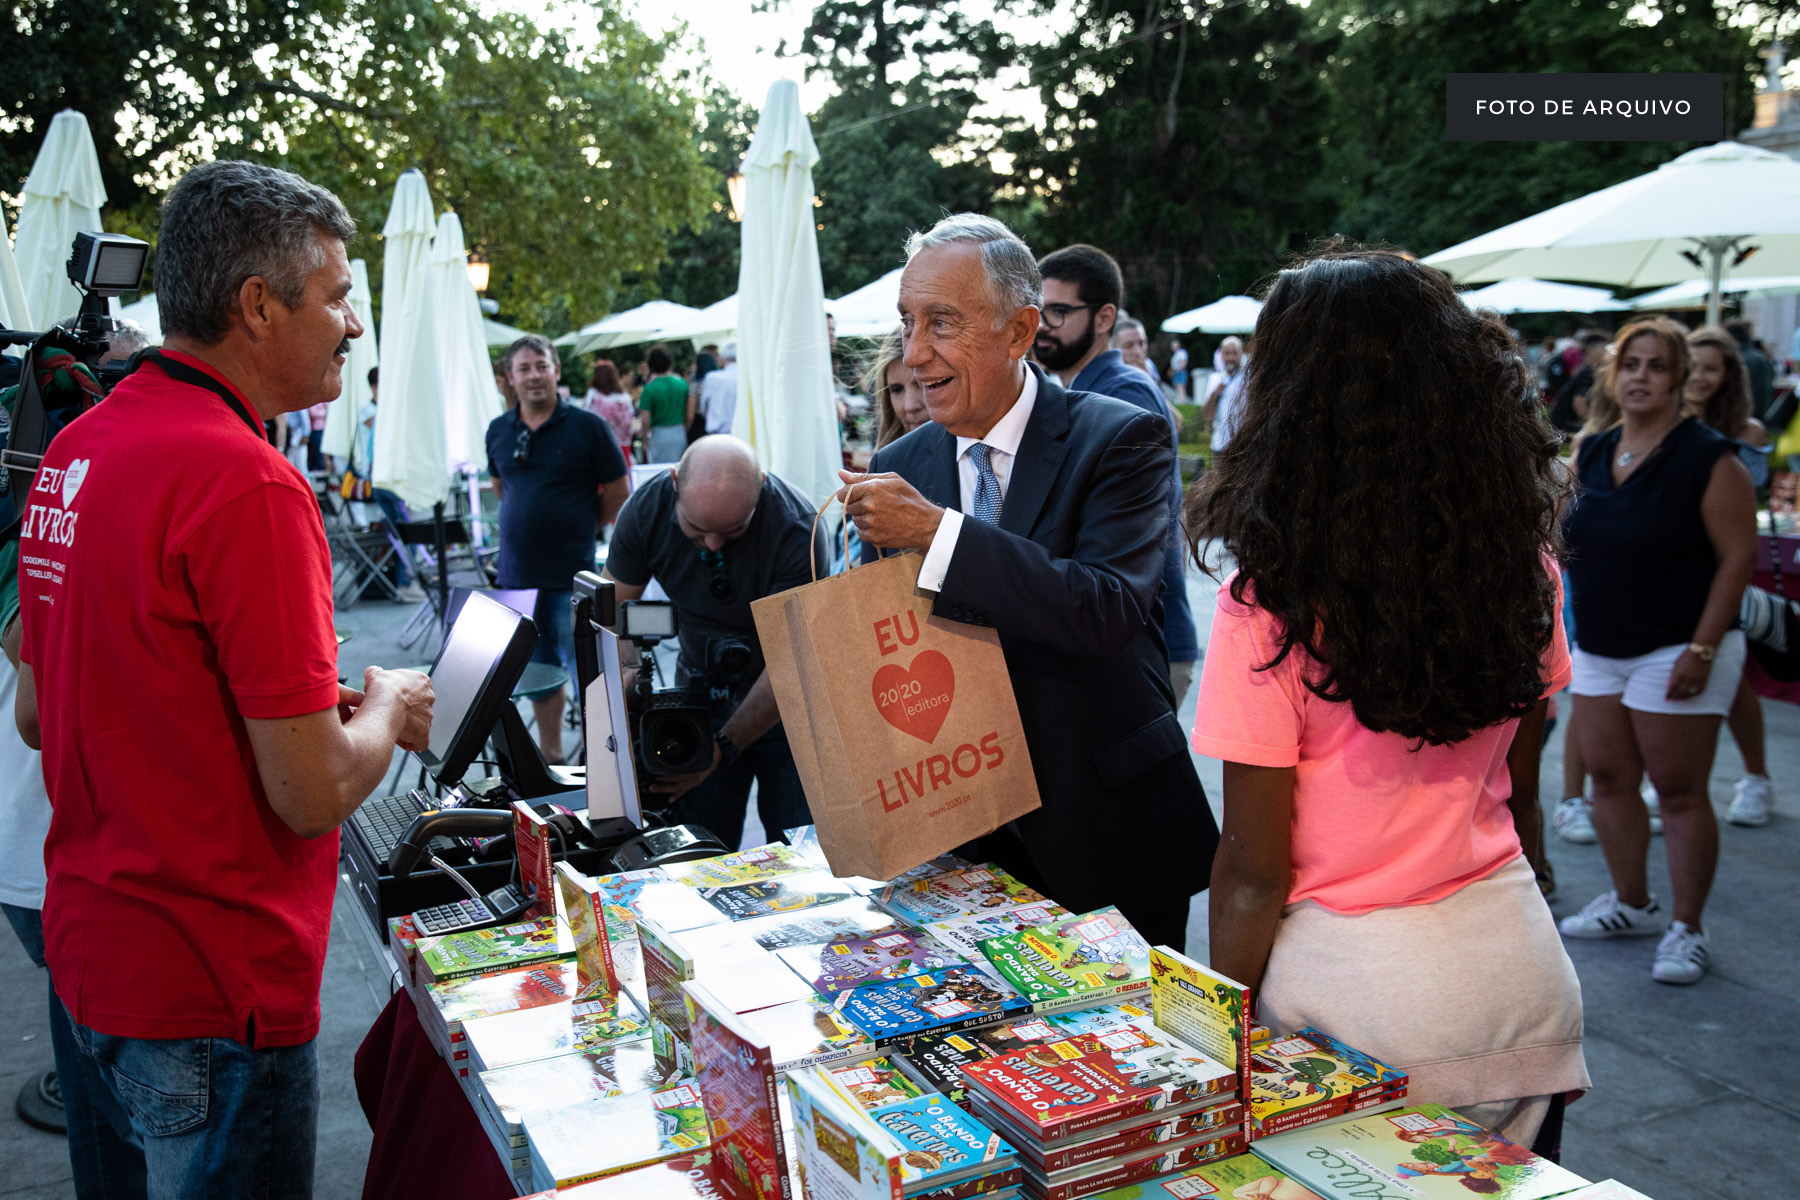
(1661, 538)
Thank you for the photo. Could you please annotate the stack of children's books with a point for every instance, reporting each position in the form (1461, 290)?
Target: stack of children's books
(445, 1008)
(1243, 1177)
(1300, 1079)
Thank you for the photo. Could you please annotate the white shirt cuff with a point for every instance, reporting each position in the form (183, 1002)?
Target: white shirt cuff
(937, 557)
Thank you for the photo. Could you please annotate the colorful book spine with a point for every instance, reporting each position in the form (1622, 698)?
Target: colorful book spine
(667, 966)
(1216, 1120)
(840, 1158)
(1062, 1100)
(1127, 1169)
(1073, 961)
(586, 915)
(957, 998)
(490, 951)
(531, 841)
(737, 1079)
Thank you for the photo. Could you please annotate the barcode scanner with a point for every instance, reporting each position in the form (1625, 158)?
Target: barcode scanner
(467, 822)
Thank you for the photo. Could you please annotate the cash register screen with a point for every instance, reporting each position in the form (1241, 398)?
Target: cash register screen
(470, 661)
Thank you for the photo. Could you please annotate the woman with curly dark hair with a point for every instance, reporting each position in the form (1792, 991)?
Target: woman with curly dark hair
(1376, 683)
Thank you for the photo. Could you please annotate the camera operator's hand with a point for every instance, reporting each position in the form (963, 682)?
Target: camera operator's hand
(889, 512)
(674, 787)
(411, 690)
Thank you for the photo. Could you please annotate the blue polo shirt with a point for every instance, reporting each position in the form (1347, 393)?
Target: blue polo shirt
(550, 480)
(1110, 375)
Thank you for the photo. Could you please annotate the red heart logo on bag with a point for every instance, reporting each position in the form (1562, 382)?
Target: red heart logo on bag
(916, 700)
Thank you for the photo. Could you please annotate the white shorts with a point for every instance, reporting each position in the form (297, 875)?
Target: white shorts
(1643, 681)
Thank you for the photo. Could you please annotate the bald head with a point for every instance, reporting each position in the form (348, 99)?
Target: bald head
(717, 485)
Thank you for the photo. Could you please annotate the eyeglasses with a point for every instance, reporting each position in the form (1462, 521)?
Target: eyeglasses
(522, 448)
(719, 584)
(1056, 314)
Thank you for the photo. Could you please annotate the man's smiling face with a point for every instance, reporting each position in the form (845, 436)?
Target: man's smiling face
(964, 354)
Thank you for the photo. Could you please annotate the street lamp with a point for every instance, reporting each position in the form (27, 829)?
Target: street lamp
(478, 270)
(734, 187)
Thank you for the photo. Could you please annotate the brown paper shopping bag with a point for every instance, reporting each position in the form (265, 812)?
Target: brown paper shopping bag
(903, 725)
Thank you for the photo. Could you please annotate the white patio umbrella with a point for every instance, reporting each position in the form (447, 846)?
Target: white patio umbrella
(148, 316)
(341, 424)
(641, 324)
(1693, 292)
(465, 372)
(714, 324)
(498, 334)
(1679, 222)
(871, 310)
(61, 198)
(785, 404)
(1228, 314)
(14, 312)
(1542, 296)
(411, 440)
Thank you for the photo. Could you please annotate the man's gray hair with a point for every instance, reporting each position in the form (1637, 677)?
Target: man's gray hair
(531, 341)
(728, 352)
(127, 339)
(227, 221)
(1123, 323)
(1011, 269)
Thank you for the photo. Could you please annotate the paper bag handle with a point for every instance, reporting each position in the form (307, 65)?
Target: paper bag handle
(848, 565)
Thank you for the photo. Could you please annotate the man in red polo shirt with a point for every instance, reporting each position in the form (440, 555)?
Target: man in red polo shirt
(180, 673)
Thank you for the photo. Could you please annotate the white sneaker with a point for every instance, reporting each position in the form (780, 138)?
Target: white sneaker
(1681, 956)
(1607, 916)
(1751, 803)
(1653, 802)
(1573, 821)
(410, 594)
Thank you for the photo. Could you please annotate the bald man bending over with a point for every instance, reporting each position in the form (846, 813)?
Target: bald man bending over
(718, 532)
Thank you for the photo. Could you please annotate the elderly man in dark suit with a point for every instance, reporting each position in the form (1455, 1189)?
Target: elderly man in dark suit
(1043, 513)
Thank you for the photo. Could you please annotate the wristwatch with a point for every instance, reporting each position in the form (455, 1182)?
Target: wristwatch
(728, 750)
(1702, 651)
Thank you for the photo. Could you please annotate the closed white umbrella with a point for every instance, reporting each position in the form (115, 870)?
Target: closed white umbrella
(411, 441)
(871, 310)
(341, 424)
(785, 404)
(641, 324)
(1542, 296)
(714, 324)
(1693, 292)
(1678, 222)
(465, 372)
(148, 316)
(1228, 314)
(497, 334)
(14, 312)
(61, 198)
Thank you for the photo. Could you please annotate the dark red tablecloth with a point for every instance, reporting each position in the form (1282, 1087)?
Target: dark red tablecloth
(427, 1139)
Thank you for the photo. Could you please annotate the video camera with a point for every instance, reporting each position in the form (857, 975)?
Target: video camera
(102, 266)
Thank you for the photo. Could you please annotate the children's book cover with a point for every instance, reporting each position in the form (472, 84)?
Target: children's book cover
(487, 951)
(675, 906)
(585, 912)
(568, 1079)
(965, 934)
(956, 998)
(840, 1157)
(936, 1060)
(1145, 1053)
(403, 939)
(851, 961)
(858, 917)
(507, 1039)
(755, 865)
(736, 1072)
(1306, 1076)
(1420, 1152)
(448, 1006)
(531, 842)
(874, 1083)
(1103, 1176)
(1163, 1128)
(939, 1143)
(1061, 1099)
(809, 1032)
(1203, 1008)
(1073, 959)
(619, 893)
(943, 864)
(618, 1133)
(970, 892)
(789, 894)
(1240, 1177)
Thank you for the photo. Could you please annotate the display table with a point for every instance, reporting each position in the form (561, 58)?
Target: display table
(428, 1141)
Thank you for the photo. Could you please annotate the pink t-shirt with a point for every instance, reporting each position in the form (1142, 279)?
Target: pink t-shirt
(1377, 824)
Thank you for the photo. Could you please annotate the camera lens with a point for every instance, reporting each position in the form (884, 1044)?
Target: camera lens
(674, 743)
(735, 661)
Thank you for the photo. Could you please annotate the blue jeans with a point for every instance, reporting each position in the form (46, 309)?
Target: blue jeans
(192, 1117)
(555, 621)
(394, 510)
(719, 803)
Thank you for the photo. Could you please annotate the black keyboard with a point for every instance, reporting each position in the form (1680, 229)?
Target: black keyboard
(383, 821)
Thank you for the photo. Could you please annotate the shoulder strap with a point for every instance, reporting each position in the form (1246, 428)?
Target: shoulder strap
(176, 369)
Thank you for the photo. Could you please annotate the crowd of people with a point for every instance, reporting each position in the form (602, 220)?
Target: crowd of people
(1412, 565)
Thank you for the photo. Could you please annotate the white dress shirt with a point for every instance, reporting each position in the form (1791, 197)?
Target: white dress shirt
(718, 397)
(1002, 442)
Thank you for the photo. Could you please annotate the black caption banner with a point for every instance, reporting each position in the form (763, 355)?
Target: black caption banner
(1552, 107)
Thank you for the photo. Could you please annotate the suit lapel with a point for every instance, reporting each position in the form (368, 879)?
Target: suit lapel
(938, 481)
(1041, 454)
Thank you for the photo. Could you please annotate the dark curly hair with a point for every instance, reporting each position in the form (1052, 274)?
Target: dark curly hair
(1389, 496)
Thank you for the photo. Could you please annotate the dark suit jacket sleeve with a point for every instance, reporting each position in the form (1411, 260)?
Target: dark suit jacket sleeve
(1097, 599)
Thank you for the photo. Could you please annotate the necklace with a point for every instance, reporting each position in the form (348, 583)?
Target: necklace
(1626, 458)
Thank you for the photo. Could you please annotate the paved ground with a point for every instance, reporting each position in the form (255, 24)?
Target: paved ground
(1693, 1087)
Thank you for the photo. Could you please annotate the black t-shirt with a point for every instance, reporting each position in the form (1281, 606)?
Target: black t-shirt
(771, 557)
(1562, 409)
(1640, 561)
(549, 503)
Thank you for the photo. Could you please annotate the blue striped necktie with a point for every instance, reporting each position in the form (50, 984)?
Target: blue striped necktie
(987, 484)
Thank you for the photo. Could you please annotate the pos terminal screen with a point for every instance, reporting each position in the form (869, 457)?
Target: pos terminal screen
(481, 662)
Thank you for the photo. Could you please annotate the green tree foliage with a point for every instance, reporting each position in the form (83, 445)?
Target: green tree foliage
(702, 266)
(1400, 182)
(1186, 141)
(569, 169)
